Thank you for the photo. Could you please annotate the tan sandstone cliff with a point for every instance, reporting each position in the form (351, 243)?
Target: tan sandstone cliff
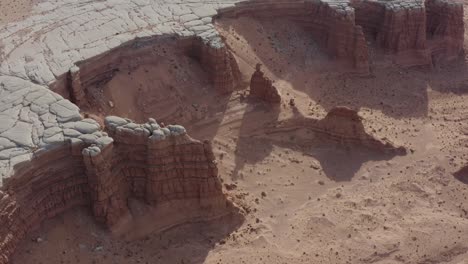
(416, 33)
(161, 166)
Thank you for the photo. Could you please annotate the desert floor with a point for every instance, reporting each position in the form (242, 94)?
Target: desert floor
(301, 200)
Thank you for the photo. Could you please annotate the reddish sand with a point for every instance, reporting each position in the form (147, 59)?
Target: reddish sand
(304, 200)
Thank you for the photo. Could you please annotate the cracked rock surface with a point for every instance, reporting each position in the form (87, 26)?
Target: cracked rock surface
(41, 53)
(40, 50)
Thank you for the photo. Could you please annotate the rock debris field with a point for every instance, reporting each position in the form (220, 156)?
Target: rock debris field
(228, 131)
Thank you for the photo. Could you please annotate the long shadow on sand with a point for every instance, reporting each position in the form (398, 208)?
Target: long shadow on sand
(291, 55)
(340, 159)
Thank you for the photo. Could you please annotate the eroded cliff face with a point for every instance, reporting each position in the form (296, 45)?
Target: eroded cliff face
(445, 29)
(214, 58)
(403, 32)
(162, 166)
(331, 24)
(220, 64)
(51, 183)
(416, 33)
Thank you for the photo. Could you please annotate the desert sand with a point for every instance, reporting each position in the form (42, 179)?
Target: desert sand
(11, 10)
(302, 197)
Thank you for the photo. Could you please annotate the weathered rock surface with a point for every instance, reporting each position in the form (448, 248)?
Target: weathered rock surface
(164, 167)
(261, 87)
(330, 22)
(51, 159)
(219, 62)
(215, 59)
(445, 29)
(341, 126)
(157, 164)
(417, 32)
(414, 32)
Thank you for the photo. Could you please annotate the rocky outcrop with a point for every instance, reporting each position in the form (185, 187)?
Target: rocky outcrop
(261, 87)
(345, 127)
(161, 166)
(413, 33)
(214, 57)
(445, 29)
(416, 32)
(332, 24)
(48, 185)
(403, 27)
(341, 126)
(75, 89)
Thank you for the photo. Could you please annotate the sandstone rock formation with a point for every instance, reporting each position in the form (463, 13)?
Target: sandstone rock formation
(331, 23)
(214, 58)
(261, 87)
(341, 126)
(414, 32)
(345, 126)
(445, 29)
(418, 32)
(219, 62)
(337, 25)
(162, 166)
(52, 159)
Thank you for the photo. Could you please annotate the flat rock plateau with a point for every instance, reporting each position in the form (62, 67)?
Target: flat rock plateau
(229, 131)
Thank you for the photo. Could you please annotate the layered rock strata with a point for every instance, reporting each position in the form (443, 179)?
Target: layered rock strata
(214, 58)
(261, 87)
(337, 25)
(415, 32)
(345, 127)
(160, 165)
(43, 168)
(219, 63)
(331, 23)
(341, 126)
(445, 29)
(75, 163)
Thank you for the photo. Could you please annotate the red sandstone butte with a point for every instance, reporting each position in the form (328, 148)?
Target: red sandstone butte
(161, 166)
(262, 87)
(445, 29)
